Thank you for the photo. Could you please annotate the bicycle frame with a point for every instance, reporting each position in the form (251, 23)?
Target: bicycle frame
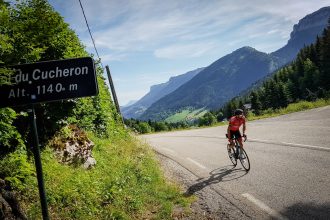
(238, 147)
(237, 152)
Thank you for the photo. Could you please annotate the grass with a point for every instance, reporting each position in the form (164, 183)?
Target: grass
(126, 183)
(186, 115)
(294, 107)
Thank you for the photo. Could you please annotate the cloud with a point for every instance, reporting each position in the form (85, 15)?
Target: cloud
(121, 25)
(184, 51)
(112, 57)
(128, 26)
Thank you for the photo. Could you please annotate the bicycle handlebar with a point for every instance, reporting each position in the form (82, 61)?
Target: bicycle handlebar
(244, 136)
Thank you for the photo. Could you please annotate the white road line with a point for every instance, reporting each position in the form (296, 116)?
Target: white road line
(292, 144)
(196, 163)
(264, 207)
(307, 146)
(168, 150)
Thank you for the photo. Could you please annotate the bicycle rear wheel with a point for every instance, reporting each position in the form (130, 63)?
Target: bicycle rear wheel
(231, 154)
(244, 159)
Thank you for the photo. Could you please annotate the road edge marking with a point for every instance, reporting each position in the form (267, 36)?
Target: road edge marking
(168, 150)
(196, 163)
(264, 207)
(290, 144)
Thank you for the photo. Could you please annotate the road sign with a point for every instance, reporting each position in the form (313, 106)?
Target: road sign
(49, 81)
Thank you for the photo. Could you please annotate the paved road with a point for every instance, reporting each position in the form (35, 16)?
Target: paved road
(290, 164)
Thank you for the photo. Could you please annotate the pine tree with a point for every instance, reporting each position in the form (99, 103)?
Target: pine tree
(311, 76)
(325, 59)
(255, 102)
(282, 96)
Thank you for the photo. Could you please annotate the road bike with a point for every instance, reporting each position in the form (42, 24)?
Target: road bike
(238, 153)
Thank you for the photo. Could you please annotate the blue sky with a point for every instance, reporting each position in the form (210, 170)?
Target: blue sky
(145, 42)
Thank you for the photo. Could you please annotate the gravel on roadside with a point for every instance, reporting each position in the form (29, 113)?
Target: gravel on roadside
(208, 205)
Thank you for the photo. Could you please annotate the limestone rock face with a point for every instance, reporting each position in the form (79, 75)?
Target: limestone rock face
(77, 153)
(73, 147)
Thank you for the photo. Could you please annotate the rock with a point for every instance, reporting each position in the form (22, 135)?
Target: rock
(89, 163)
(75, 150)
(75, 153)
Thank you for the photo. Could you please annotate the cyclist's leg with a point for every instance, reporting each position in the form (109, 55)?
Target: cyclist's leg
(240, 141)
(231, 142)
(239, 138)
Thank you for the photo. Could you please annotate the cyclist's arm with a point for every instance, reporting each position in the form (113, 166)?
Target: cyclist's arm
(228, 131)
(244, 128)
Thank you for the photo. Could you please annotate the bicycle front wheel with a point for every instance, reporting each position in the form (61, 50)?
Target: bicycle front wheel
(231, 154)
(244, 159)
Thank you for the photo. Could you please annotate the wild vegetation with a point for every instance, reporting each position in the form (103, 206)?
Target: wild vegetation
(143, 127)
(126, 182)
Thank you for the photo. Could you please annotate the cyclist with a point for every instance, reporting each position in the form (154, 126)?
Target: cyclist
(235, 123)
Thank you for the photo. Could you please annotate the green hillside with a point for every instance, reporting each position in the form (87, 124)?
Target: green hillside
(186, 115)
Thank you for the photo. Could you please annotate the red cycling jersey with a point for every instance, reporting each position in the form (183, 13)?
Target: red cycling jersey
(236, 122)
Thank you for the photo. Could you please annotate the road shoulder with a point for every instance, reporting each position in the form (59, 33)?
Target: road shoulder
(209, 204)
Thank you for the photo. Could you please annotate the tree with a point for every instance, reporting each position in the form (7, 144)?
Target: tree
(282, 96)
(144, 128)
(32, 31)
(161, 126)
(311, 76)
(207, 119)
(325, 59)
(219, 116)
(255, 102)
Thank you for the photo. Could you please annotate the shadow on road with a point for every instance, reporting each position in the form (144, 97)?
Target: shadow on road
(307, 211)
(218, 175)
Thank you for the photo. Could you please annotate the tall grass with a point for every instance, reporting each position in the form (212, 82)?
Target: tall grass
(126, 183)
(294, 107)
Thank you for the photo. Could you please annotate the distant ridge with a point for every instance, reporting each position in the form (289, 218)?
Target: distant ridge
(304, 33)
(157, 92)
(216, 84)
(236, 72)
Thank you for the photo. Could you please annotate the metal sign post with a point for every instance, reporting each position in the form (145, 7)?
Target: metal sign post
(46, 82)
(113, 91)
(37, 161)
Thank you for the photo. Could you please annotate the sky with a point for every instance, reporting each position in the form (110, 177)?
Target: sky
(145, 42)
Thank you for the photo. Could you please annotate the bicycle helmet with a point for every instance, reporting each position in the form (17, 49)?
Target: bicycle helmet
(238, 112)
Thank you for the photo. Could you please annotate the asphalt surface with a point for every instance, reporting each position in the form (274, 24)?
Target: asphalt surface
(290, 165)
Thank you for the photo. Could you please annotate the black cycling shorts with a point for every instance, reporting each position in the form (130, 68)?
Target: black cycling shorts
(236, 134)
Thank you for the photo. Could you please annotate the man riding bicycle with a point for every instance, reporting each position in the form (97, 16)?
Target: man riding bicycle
(235, 123)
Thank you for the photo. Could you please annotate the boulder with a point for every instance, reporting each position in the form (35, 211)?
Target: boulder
(75, 149)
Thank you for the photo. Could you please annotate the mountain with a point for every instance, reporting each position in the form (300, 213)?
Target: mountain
(216, 84)
(236, 72)
(157, 92)
(304, 33)
(129, 103)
